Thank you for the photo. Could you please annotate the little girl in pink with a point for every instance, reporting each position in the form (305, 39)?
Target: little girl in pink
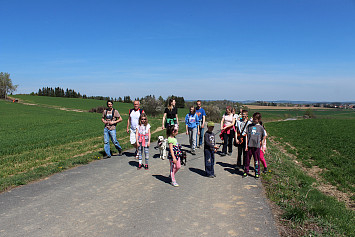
(174, 153)
(263, 150)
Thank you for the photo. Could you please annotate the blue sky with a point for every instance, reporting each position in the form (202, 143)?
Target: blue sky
(198, 49)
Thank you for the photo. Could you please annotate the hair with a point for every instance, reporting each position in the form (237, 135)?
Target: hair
(170, 130)
(244, 111)
(109, 101)
(194, 110)
(198, 101)
(257, 116)
(170, 104)
(233, 109)
(261, 123)
(229, 108)
(143, 115)
(137, 100)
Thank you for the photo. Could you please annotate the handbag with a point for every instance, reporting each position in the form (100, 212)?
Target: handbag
(240, 137)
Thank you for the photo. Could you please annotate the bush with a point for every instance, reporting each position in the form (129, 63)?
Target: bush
(152, 106)
(99, 109)
(213, 113)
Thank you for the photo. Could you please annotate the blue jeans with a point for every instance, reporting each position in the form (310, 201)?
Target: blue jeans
(192, 137)
(107, 134)
(209, 162)
(199, 138)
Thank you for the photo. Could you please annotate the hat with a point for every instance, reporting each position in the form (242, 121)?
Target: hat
(210, 124)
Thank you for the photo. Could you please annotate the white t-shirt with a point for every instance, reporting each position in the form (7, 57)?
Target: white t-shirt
(134, 118)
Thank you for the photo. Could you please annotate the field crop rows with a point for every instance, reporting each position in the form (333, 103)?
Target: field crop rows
(38, 141)
(326, 143)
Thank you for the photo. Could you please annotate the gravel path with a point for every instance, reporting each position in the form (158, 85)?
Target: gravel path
(112, 198)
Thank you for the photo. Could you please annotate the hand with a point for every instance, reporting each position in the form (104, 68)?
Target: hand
(127, 130)
(174, 161)
(148, 145)
(187, 133)
(162, 127)
(246, 148)
(237, 141)
(202, 126)
(198, 133)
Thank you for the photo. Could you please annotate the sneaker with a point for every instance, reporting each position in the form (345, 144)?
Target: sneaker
(214, 176)
(107, 157)
(193, 152)
(198, 146)
(257, 176)
(146, 167)
(175, 184)
(139, 167)
(223, 154)
(210, 176)
(120, 152)
(245, 175)
(265, 170)
(229, 153)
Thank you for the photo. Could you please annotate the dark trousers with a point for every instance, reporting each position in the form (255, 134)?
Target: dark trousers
(227, 142)
(209, 162)
(241, 153)
(253, 151)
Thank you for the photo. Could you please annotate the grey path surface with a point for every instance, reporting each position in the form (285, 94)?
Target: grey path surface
(112, 198)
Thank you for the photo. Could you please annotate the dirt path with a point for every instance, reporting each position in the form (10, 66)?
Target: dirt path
(112, 198)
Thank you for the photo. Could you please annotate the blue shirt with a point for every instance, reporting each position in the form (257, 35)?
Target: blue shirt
(191, 120)
(200, 113)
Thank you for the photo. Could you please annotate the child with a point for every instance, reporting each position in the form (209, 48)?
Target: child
(209, 150)
(263, 150)
(254, 140)
(192, 128)
(174, 153)
(143, 140)
(240, 138)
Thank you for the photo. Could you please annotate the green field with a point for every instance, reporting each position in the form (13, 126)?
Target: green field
(328, 143)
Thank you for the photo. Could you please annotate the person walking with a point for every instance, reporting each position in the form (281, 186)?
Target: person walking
(143, 140)
(191, 121)
(209, 150)
(201, 113)
(174, 155)
(170, 116)
(227, 124)
(111, 117)
(132, 124)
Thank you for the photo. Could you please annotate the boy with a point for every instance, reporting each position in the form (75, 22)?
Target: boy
(242, 124)
(209, 149)
(254, 140)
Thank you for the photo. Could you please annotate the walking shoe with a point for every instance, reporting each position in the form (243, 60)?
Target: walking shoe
(146, 167)
(139, 167)
(210, 176)
(222, 154)
(120, 152)
(175, 184)
(245, 175)
(193, 152)
(198, 146)
(229, 153)
(265, 170)
(107, 157)
(257, 176)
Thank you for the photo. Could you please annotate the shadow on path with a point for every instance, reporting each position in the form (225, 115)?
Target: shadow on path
(198, 171)
(133, 163)
(162, 178)
(225, 164)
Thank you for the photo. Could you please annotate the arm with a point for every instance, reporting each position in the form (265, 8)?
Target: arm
(172, 152)
(222, 122)
(149, 137)
(177, 119)
(246, 142)
(128, 123)
(163, 123)
(203, 121)
(137, 136)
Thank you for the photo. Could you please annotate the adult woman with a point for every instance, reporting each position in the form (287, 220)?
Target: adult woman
(170, 115)
(192, 122)
(227, 124)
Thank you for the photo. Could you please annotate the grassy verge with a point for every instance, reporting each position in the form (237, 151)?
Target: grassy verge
(304, 210)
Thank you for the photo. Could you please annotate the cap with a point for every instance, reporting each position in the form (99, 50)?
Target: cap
(210, 124)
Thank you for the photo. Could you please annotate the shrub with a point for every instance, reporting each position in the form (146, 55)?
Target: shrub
(99, 109)
(213, 113)
(152, 106)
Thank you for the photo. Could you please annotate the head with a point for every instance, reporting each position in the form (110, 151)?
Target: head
(172, 131)
(192, 110)
(256, 117)
(233, 110)
(228, 110)
(143, 119)
(136, 104)
(171, 103)
(198, 104)
(210, 126)
(109, 104)
(244, 114)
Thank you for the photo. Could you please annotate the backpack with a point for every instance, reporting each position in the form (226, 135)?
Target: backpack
(140, 111)
(113, 113)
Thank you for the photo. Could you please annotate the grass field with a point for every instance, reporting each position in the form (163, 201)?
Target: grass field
(308, 207)
(39, 140)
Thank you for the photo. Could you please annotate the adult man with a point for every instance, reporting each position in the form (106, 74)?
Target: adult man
(202, 118)
(132, 123)
(111, 117)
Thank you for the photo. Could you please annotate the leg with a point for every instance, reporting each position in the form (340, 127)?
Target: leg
(247, 163)
(140, 150)
(114, 140)
(239, 156)
(230, 141)
(257, 161)
(212, 163)
(208, 162)
(146, 155)
(262, 159)
(107, 142)
(190, 137)
(194, 131)
(225, 142)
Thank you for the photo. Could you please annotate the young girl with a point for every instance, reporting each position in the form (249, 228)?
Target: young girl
(174, 153)
(192, 128)
(143, 140)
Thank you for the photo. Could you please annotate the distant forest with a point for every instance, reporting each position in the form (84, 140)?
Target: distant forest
(70, 93)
